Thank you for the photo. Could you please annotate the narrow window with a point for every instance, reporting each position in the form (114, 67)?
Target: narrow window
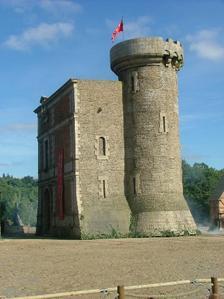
(134, 185)
(46, 155)
(132, 83)
(104, 188)
(102, 146)
(164, 124)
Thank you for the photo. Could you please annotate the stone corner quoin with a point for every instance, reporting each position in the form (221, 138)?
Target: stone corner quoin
(121, 167)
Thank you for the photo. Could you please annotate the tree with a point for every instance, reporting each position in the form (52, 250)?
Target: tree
(199, 181)
(19, 194)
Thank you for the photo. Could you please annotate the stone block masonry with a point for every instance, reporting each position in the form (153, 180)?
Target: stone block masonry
(147, 68)
(120, 141)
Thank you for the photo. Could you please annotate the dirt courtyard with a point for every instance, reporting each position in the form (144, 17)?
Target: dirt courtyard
(41, 266)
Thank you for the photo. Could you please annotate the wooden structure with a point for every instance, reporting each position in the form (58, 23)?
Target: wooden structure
(217, 206)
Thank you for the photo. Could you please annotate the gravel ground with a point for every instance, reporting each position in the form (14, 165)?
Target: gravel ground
(41, 266)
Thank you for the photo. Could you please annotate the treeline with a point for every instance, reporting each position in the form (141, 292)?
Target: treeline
(199, 182)
(20, 195)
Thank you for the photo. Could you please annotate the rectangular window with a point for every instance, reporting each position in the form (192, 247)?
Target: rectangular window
(163, 127)
(104, 188)
(46, 154)
(102, 146)
(164, 124)
(52, 151)
(134, 82)
(134, 185)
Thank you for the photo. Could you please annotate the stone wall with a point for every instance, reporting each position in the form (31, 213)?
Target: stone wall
(121, 147)
(56, 127)
(81, 116)
(101, 174)
(147, 67)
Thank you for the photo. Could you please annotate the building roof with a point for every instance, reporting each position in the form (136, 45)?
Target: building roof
(66, 85)
(59, 90)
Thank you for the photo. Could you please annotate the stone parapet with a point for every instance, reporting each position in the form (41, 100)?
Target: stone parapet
(148, 68)
(140, 51)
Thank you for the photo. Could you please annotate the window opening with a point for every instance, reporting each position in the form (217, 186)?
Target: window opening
(104, 188)
(164, 124)
(46, 154)
(132, 83)
(134, 185)
(102, 146)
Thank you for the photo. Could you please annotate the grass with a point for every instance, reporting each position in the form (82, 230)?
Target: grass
(114, 234)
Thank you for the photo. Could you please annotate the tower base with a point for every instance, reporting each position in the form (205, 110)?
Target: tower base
(164, 223)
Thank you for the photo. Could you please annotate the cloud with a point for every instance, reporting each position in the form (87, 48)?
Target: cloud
(15, 127)
(206, 45)
(10, 164)
(55, 6)
(5, 164)
(138, 28)
(191, 120)
(51, 6)
(201, 116)
(132, 29)
(42, 35)
(196, 117)
(194, 157)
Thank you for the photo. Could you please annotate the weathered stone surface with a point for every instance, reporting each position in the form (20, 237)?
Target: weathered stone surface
(78, 115)
(101, 114)
(121, 148)
(151, 133)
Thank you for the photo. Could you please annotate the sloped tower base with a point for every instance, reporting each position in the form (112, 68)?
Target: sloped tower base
(164, 223)
(148, 69)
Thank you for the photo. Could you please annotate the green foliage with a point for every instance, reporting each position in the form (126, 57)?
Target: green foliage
(199, 181)
(113, 234)
(19, 194)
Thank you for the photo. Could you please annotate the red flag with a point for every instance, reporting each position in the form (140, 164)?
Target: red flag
(117, 30)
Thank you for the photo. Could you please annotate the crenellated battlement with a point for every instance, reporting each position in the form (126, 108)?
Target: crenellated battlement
(148, 69)
(173, 54)
(141, 51)
(124, 139)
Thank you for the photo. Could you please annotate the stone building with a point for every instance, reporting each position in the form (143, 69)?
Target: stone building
(109, 154)
(217, 206)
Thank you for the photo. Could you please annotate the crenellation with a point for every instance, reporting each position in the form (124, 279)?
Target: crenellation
(156, 62)
(118, 144)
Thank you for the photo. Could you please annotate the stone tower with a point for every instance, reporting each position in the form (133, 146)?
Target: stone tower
(147, 68)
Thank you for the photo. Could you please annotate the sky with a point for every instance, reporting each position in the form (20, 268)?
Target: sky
(43, 43)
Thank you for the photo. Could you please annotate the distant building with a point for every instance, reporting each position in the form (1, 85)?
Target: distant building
(217, 206)
(109, 153)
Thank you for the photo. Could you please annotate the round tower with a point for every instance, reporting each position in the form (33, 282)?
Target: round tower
(153, 176)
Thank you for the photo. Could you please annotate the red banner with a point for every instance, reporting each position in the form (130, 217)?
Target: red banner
(117, 30)
(60, 183)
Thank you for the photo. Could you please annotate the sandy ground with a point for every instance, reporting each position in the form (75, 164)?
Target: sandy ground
(41, 266)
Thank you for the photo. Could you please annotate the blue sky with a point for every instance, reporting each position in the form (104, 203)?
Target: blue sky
(45, 42)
